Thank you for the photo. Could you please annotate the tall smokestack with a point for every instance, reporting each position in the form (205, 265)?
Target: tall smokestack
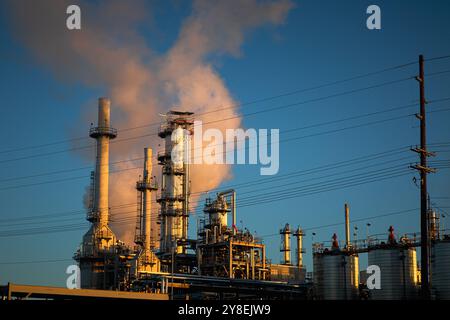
(347, 225)
(95, 254)
(102, 133)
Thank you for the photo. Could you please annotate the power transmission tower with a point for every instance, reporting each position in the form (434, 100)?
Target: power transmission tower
(424, 170)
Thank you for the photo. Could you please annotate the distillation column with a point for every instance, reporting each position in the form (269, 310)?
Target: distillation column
(299, 235)
(174, 198)
(147, 259)
(286, 244)
(147, 198)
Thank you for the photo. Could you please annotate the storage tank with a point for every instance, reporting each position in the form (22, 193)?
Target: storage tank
(440, 268)
(398, 267)
(336, 273)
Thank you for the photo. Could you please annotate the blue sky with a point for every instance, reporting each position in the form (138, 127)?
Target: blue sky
(320, 42)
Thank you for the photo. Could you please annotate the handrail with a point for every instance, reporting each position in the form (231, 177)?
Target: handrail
(102, 131)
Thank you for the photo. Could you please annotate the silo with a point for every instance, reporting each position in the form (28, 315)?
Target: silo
(398, 269)
(440, 268)
(336, 273)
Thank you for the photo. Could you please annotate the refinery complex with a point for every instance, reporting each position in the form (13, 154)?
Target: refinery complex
(225, 159)
(226, 262)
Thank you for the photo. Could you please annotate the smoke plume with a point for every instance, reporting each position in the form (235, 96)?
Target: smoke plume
(111, 54)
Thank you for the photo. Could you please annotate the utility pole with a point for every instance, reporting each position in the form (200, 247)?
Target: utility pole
(424, 170)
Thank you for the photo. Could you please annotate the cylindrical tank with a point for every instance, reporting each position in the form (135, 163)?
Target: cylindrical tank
(336, 275)
(398, 271)
(440, 269)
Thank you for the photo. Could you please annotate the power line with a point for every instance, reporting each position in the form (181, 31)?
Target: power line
(260, 236)
(132, 219)
(436, 58)
(255, 199)
(68, 170)
(284, 131)
(314, 188)
(285, 176)
(246, 147)
(220, 120)
(321, 177)
(303, 90)
(61, 180)
(249, 114)
(223, 152)
(437, 73)
(277, 178)
(73, 227)
(321, 168)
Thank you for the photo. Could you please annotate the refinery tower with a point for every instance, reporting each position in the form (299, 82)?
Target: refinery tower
(174, 194)
(146, 259)
(100, 251)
